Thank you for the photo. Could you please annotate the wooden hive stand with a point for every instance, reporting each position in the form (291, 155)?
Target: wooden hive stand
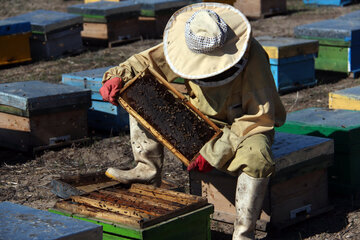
(339, 44)
(291, 61)
(108, 22)
(22, 222)
(14, 42)
(36, 115)
(54, 34)
(101, 115)
(297, 191)
(142, 212)
(343, 127)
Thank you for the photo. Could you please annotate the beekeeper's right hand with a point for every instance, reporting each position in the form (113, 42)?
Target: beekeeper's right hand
(110, 90)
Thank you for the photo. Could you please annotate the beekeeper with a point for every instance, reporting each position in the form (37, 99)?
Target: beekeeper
(228, 77)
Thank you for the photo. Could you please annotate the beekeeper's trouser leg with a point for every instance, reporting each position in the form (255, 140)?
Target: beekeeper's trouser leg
(148, 155)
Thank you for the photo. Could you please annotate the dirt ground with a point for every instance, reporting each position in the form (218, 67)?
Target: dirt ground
(25, 179)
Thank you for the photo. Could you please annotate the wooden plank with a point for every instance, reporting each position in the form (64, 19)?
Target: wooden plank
(260, 8)
(124, 29)
(332, 58)
(99, 213)
(14, 48)
(345, 99)
(12, 122)
(95, 30)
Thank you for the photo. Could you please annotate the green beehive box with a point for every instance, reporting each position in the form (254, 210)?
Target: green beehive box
(344, 127)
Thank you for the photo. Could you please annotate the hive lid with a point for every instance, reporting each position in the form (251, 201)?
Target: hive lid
(34, 96)
(105, 8)
(8, 27)
(355, 16)
(22, 222)
(148, 7)
(44, 21)
(283, 47)
(333, 29)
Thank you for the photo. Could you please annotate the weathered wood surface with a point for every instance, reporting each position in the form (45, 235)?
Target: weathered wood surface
(8, 27)
(15, 48)
(45, 21)
(37, 96)
(22, 222)
(348, 99)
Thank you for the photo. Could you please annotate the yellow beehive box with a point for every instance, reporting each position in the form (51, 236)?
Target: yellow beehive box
(347, 99)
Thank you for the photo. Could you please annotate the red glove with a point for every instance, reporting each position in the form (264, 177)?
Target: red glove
(200, 164)
(110, 90)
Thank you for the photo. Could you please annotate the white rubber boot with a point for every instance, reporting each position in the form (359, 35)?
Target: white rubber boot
(148, 154)
(250, 193)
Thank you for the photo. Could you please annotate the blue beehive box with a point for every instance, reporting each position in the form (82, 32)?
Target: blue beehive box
(109, 21)
(14, 41)
(291, 61)
(35, 114)
(328, 2)
(341, 125)
(21, 222)
(102, 115)
(53, 33)
(339, 44)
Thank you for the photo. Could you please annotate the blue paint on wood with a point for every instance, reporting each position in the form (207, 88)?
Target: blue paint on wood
(344, 30)
(8, 27)
(354, 16)
(353, 92)
(344, 119)
(106, 9)
(328, 2)
(46, 21)
(293, 73)
(21, 222)
(36, 95)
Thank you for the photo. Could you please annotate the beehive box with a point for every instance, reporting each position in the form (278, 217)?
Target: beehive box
(109, 22)
(341, 125)
(14, 42)
(348, 99)
(21, 222)
(142, 212)
(155, 14)
(167, 114)
(35, 114)
(339, 44)
(101, 115)
(298, 189)
(292, 61)
(260, 8)
(230, 2)
(53, 33)
(328, 2)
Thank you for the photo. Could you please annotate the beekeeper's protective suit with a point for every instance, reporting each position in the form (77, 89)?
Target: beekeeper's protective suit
(228, 77)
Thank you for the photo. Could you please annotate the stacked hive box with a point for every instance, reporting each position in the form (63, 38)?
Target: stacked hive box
(53, 33)
(260, 8)
(298, 189)
(102, 115)
(341, 125)
(14, 42)
(291, 60)
(339, 44)
(108, 22)
(36, 114)
(142, 212)
(328, 2)
(21, 222)
(155, 15)
(348, 99)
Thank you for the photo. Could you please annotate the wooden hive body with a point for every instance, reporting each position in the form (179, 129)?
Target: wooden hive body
(339, 44)
(344, 128)
(260, 8)
(299, 185)
(22, 222)
(53, 33)
(109, 21)
(142, 212)
(101, 115)
(35, 114)
(291, 61)
(14, 42)
(328, 2)
(348, 99)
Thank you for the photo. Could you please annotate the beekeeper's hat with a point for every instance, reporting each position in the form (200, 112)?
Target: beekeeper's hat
(205, 39)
